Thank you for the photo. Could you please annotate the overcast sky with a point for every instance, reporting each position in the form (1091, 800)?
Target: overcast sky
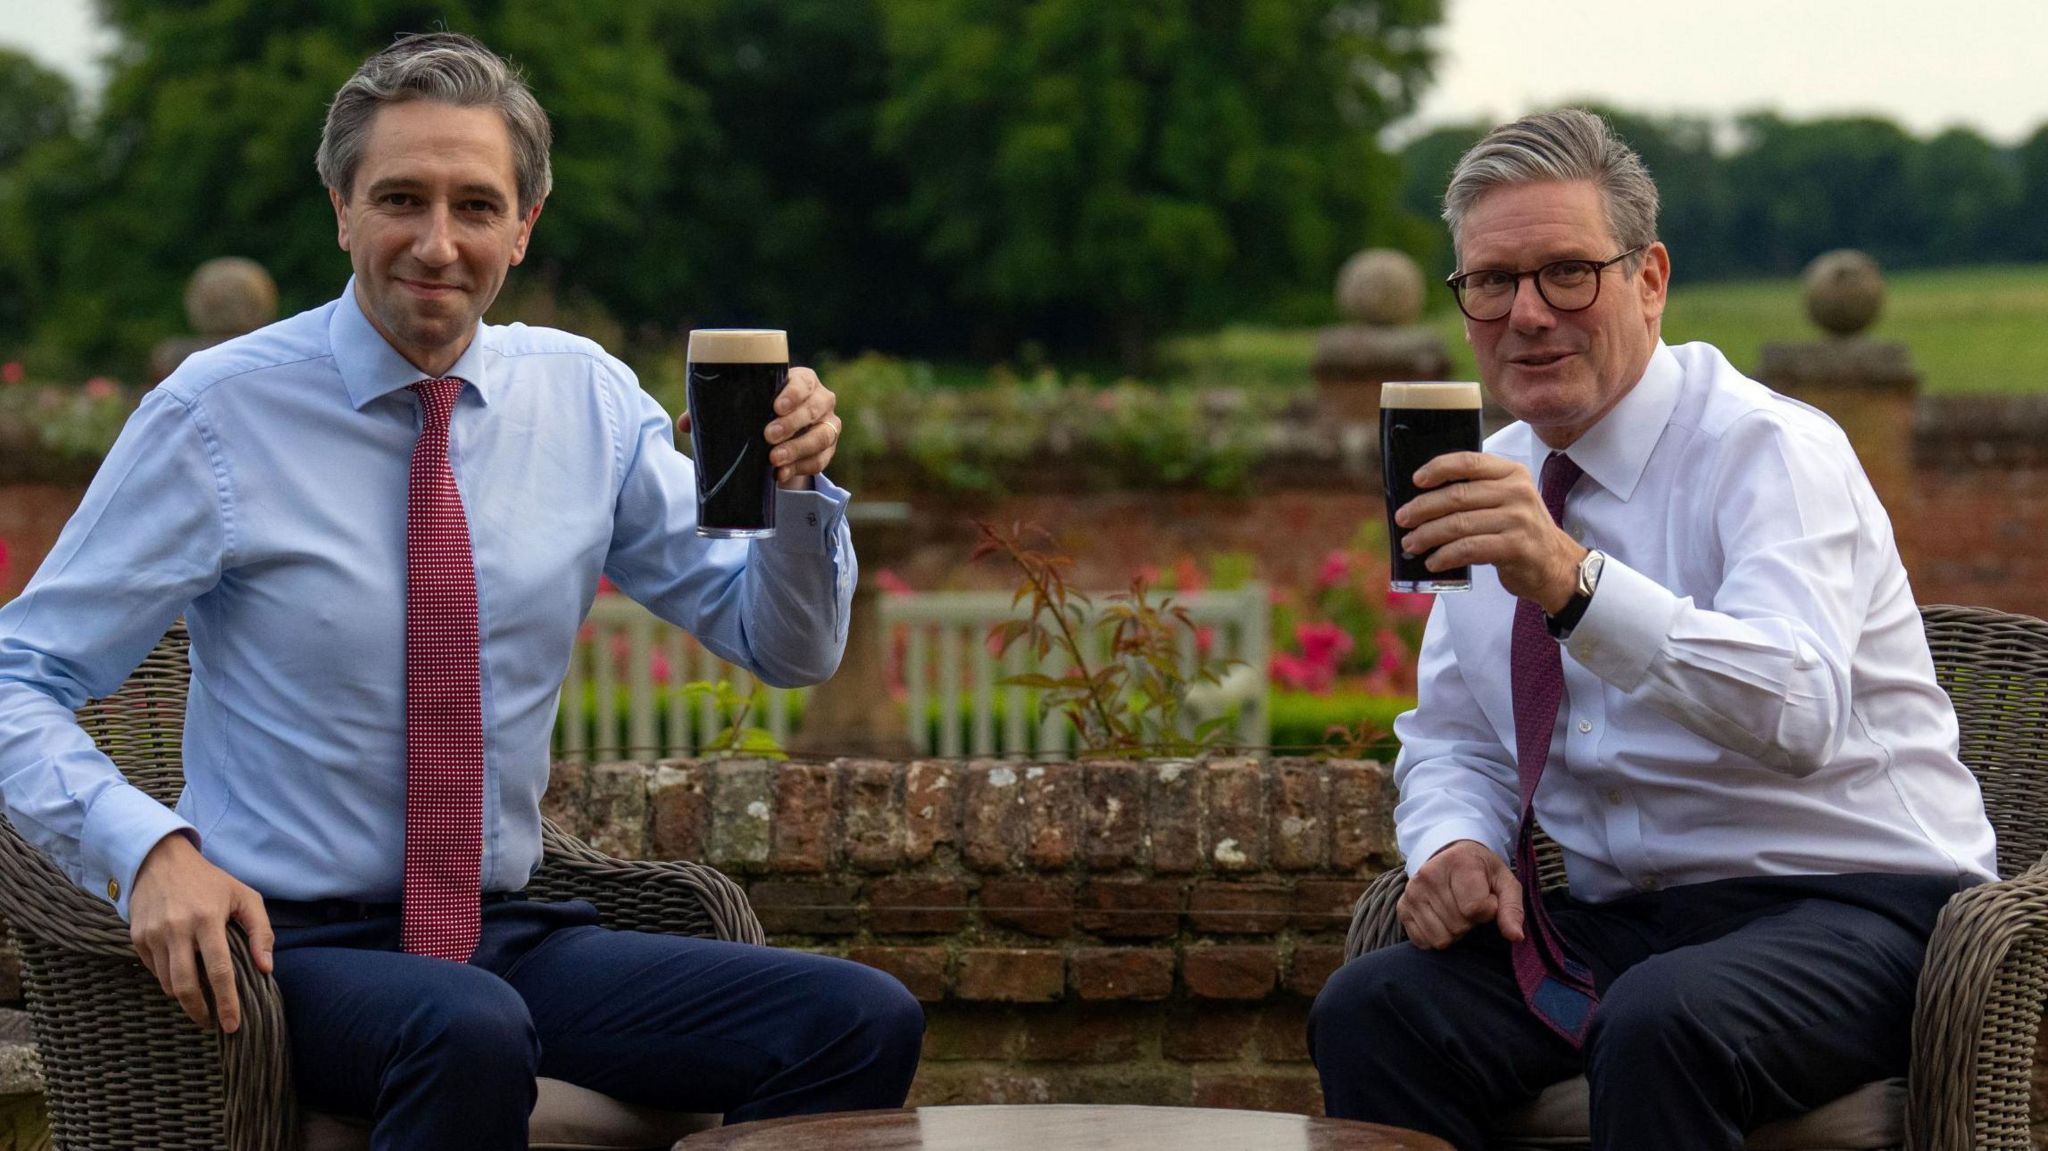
(1924, 63)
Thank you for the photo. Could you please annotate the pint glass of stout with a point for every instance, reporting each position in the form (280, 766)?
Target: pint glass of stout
(735, 375)
(1419, 422)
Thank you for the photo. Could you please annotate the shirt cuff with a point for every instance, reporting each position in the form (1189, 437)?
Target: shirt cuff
(1625, 625)
(1445, 834)
(807, 522)
(122, 827)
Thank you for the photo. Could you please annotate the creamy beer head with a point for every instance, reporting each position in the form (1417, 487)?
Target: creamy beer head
(1431, 396)
(739, 346)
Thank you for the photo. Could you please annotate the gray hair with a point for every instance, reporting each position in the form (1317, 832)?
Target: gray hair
(1567, 144)
(452, 69)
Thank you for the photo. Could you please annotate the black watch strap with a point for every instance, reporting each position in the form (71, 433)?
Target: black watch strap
(1568, 617)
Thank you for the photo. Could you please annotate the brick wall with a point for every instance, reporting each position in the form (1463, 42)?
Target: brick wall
(1108, 931)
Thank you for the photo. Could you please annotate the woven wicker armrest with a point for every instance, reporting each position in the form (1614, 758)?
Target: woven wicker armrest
(119, 1056)
(1373, 922)
(1979, 1017)
(674, 897)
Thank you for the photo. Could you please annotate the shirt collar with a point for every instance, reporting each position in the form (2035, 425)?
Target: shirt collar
(1617, 449)
(371, 367)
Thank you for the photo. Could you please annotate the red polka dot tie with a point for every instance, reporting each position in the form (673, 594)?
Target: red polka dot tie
(444, 731)
(1556, 986)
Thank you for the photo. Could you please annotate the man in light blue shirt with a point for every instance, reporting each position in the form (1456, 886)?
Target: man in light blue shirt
(261, 492)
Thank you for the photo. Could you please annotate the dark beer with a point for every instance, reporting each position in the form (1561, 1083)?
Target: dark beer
(1419, 422)
(735, 375)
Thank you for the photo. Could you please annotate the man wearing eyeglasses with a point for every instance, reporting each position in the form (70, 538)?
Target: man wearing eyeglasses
(1690, 657)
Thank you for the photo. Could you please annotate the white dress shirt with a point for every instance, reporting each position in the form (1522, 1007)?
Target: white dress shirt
(1749, 692)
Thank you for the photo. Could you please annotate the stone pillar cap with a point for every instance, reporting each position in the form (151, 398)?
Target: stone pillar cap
(229, 295)
(1844, 291)
(1380, 287)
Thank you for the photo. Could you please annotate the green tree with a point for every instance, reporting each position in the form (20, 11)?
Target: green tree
(2030, 211)
(1965, 189)
(38, 113)
(36, 105)
(1097, 173)
(204, 147)
(1801, 188)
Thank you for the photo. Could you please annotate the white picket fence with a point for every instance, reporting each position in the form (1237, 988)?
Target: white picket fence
(948, 660)
(955, 705)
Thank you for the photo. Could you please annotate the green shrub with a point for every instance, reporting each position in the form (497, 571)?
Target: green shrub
(1302, 722)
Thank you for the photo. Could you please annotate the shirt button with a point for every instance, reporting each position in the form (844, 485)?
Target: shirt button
(114, 890)
(1614, 796)
(1650, 883)
(812, 518)
(1585, 725)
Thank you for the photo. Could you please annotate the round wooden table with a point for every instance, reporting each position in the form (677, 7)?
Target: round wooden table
(1059, 1127)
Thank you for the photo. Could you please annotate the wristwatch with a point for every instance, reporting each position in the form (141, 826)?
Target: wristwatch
(1567, 618)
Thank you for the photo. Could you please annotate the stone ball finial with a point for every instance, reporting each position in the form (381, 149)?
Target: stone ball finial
(1844, 291)
(230, 295)
(1380, 286)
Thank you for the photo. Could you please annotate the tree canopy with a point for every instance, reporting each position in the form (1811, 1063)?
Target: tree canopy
(919, 175)
(1764, 194)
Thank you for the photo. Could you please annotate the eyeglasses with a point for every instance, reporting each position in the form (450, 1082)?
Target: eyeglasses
(1566, 285)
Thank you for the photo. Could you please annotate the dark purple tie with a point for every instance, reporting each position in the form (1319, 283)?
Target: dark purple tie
(1557, 987)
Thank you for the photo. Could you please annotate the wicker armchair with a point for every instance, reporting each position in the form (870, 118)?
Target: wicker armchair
(126, 1069)
(1978, 1014)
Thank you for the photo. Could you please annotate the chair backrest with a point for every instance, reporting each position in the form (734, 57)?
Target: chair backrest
(142, 726)
(1994, 666)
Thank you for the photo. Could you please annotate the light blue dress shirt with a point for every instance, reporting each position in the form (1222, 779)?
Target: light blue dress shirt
(260, 491)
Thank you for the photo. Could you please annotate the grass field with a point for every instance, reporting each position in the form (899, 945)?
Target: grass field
(1982, 330)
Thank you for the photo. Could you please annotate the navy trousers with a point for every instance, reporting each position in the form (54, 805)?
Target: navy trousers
(444, 1055)
(1723, 1006)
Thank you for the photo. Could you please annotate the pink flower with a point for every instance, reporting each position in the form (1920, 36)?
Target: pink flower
(891, 583)
(1294, 672)
(11, 372)
(3, 558)
(660, 668)
(1393, 657)
(1412, 604)
(1148, 573)
(1186, 576)
(604, 585)
(1336, 566)
(1323, 644)
(1205, 635)
(100, 387)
